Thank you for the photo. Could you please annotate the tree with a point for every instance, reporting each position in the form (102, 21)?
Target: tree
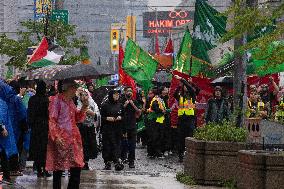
(31, 35)
(262, 25)
(255, 26)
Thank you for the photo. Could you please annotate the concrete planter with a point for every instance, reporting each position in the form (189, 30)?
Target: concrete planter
(211, 162)
(260, 170)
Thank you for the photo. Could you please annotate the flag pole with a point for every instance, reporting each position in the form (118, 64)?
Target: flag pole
(190, 66)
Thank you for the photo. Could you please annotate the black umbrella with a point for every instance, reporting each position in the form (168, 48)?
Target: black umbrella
(223, 81)
(79, 71)
(45, 73)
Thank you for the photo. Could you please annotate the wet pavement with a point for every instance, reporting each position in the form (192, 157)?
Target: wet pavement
(148, 174)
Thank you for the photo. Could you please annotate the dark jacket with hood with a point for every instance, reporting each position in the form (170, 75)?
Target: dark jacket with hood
(111, 109)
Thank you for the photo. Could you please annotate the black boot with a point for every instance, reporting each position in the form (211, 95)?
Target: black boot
(119, 165)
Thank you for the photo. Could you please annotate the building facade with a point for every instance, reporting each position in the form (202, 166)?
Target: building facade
(92, 18)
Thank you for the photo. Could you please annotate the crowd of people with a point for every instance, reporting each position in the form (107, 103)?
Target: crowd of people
(59, 128)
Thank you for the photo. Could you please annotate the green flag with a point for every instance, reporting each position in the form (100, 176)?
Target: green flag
(102, 81)
(139, 65)
(182, 63)
(209, 26)
(262, 63)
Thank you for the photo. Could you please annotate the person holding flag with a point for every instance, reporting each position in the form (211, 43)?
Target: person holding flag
(185, 95)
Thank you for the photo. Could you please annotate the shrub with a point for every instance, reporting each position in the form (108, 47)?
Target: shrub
(225, 131)
(185, 179)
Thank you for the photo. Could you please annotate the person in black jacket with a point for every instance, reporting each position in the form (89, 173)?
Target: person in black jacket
(38, 121)
(217, 108)
(111, 115)
(186, 96)
(129, 129)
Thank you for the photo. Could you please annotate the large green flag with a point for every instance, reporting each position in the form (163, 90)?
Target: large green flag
(209, 26)
(182, 63)
(259, 64)
(140, 65)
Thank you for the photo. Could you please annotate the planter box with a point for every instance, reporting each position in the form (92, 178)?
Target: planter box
(260, 170)
(211, 162)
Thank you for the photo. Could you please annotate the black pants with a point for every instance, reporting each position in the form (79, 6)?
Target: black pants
(142, 136)
(186, 125)
(174, 139)
(111, 140)
(129, 145)
(154, 142)
(74, 181)
(88, 135)
(5, 165)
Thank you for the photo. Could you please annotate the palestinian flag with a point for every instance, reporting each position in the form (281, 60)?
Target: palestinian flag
(51, 58)
(40, 51)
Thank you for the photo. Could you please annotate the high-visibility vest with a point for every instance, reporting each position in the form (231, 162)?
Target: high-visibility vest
(162, 106)
(279, 114)
(185, 107)
(259, 104)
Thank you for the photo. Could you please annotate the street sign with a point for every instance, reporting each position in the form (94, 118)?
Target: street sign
(60, 15)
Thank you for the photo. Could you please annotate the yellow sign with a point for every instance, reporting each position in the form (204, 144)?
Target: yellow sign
(114, 40)
(131, 27)
(42, 8)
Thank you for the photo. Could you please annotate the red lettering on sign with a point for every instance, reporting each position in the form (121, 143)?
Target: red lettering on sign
(157, 31)
(170, 23)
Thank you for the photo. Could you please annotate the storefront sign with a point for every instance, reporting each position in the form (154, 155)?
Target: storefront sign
(162, 22)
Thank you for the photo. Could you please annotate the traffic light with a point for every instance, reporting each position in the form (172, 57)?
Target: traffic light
(114, 40)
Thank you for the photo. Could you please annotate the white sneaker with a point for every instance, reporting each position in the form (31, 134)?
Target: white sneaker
(166, 154)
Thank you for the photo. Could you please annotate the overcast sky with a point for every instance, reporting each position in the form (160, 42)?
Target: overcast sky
(164, 3)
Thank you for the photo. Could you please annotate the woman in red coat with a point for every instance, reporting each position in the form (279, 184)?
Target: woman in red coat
(64, 149)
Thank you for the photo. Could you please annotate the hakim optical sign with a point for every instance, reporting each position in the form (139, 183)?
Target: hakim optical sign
(162, 22)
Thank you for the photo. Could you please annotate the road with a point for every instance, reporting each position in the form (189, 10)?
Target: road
(148, 174)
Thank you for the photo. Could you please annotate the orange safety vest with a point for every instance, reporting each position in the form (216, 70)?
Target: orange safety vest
(185, 107)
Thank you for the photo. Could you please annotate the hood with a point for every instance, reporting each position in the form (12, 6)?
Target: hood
(41, 88)
(110, 96)
(6, 91)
